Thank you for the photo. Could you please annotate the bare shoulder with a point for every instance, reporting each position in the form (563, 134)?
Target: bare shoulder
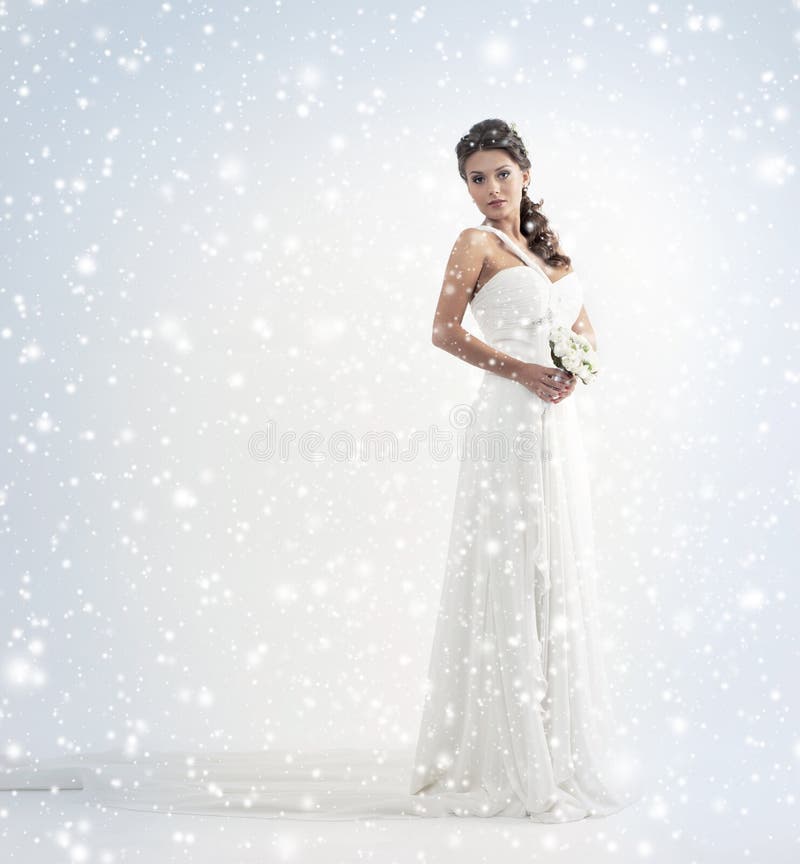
(472, 239)
(474, 233)
(468, 254)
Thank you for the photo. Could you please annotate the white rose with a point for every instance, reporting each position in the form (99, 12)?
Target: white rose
(571, 363)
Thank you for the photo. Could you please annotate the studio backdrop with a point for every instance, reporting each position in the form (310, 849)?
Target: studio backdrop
(229, 446)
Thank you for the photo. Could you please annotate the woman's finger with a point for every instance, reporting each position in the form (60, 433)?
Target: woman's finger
(561, 378)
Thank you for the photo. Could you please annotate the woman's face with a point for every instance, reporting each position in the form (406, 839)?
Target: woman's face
(492, 175)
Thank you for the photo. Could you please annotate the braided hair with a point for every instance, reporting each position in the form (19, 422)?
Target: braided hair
(495, 134)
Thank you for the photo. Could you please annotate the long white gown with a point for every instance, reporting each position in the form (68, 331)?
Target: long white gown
(516, 718)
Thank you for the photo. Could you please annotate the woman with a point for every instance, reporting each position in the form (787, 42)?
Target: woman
(517, 719)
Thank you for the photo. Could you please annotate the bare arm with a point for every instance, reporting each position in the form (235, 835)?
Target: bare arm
(463, 268)
(583, 326)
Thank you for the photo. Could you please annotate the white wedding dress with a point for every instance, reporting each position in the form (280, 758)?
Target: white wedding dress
(516, 718)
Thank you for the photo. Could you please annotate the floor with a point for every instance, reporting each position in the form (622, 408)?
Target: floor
(51, 827)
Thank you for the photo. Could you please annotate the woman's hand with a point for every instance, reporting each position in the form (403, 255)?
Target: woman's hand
(548, 382)
(572, 381)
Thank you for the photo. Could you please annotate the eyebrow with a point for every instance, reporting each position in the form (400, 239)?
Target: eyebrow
(496, 169)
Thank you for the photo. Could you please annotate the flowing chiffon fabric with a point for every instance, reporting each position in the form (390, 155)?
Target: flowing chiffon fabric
(516, 719)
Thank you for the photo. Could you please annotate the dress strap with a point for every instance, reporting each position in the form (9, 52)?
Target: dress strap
(514, 248)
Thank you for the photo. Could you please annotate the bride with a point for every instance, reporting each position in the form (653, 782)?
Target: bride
(516, 718)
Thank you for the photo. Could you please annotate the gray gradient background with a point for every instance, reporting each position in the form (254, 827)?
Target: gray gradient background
(217, 220)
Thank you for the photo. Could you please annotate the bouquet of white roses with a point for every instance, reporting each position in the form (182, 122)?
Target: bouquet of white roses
(573, 353)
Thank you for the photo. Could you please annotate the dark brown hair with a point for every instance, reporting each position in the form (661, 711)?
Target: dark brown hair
(495, 134)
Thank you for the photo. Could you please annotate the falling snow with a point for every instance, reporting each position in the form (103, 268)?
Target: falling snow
(225, 229)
